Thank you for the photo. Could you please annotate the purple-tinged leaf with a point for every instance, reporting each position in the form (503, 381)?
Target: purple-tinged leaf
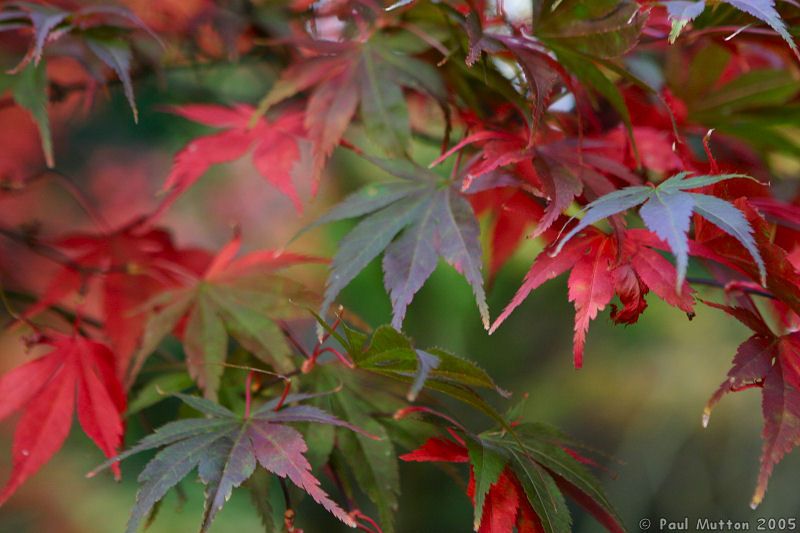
(364, 201)
(116, 54)
(367, 240)
(307, 413)
(409, 261)
(668, 215)
(681, 12)
(765, 11)
(225, 450)
(44, 19)
(604, 207)
(459, 243)
(166, 470)
(225, 467)
(280, 450)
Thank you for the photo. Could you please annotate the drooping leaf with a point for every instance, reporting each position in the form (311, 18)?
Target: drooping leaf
(117, 55)
(43, 20)
(76, 375)
(90, 25)
(769, 362)
(591, 288)
(30, 91)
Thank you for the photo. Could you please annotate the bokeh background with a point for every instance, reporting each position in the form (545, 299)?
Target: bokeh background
(637, 402)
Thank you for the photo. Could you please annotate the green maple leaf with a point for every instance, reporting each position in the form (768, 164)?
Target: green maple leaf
(244, 298)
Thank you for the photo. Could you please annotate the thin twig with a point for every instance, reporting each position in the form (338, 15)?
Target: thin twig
(721, 285)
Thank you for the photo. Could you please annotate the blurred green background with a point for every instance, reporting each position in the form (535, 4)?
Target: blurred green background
(637, 401)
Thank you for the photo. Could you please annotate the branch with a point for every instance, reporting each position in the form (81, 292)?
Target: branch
(725, 287)
(68, 314)
(54, 254)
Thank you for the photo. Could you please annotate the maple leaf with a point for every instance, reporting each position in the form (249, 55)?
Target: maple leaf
(667, 211)
(133, 263)
(783, 279)
(49, 24)
(225, 448)
(29, 90)
(366, 75)
(598, 271)
(681, 12)
(76, 375)
(517, 480)
(372, 462)
(391, 354)
(276, 147)
(242, 297)
(513, 212)
(772, 363)
(580, 34)
(559, 169)
(435, 221)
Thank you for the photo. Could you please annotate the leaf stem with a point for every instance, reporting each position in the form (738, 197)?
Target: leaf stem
(286, 388)
(726, 286)
(248, 393)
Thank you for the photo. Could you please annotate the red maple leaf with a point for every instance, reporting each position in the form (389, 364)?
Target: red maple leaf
(599, 270)
(275, 146)
(514, 211)
(772, 363)
(782, 280)
(77, 374)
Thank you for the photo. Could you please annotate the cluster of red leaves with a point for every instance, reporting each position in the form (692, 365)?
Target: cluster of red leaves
(133, 264)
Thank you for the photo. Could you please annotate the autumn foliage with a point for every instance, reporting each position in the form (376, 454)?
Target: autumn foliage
(636, 143)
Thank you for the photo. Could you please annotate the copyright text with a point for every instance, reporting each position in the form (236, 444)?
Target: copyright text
(714, 524)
